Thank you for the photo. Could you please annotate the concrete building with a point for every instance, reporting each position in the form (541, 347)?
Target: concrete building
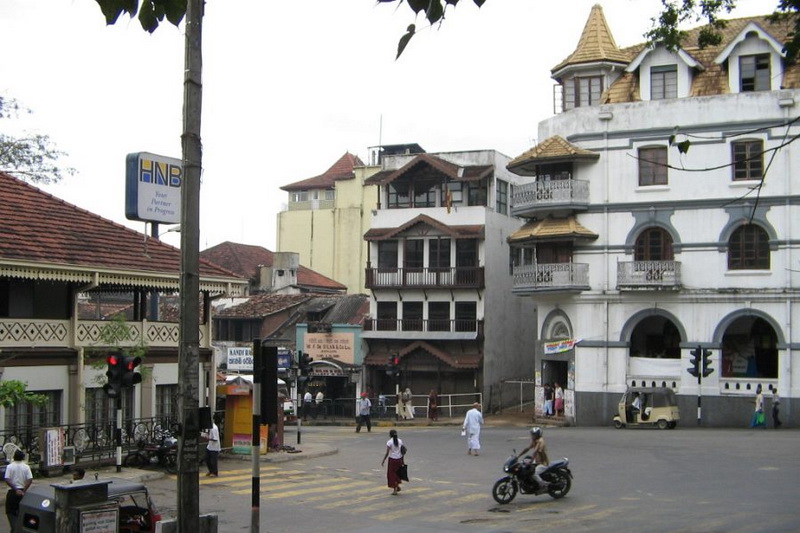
(662, 209)
(437, 269)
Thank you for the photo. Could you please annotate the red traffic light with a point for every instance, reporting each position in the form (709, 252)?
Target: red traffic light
(112, 360)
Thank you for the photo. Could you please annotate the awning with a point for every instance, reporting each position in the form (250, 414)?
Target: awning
(454, 356)
(551, 229)
(552, 150)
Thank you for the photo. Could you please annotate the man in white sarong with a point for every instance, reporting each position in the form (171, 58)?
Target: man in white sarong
(472, 429)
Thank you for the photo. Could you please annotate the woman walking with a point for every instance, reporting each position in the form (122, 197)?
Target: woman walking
(394, 452)
(433, 406)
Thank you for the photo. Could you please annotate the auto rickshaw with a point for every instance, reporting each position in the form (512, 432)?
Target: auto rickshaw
(648, 406)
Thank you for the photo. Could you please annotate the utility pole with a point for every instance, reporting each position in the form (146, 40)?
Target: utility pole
(189, 353)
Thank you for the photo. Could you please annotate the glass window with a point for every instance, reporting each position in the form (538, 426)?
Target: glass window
(466, 253)
(554, 171)
(653, 166)
(748, 249)
(167, 401)
(501, 203)
(330, 194)
(754, 73)
(387, 255)
(399, 195)
(477, 193)
(588, 91)
(456, 190)
(466, 316)
(101, 411)
(414, 254)
(387, 316)
(663, 82)
(653, 244)
(425, 193)
(412, 316)
(748, 160)
(439, 254)
(27, 414)
(300, 196)
(439, 316)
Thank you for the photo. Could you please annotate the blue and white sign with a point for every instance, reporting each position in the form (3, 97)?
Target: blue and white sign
(153, 188)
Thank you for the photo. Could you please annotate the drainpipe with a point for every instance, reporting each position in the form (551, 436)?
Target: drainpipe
(77, 394)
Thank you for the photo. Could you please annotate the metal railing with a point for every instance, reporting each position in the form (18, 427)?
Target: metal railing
(538, 194)
(430, 325)
(551, 277)
(450, 406)
(456, 277)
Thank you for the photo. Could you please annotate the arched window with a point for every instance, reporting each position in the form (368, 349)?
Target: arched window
(748, 248)
(653, 244)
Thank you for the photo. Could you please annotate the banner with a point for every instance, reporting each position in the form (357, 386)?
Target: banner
(560, 346)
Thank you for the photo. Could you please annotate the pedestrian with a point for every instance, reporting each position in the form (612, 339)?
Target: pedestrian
(540, 458)
(559, 397)
(395, 450)
(364, 406)
(433, 406)
(408, 405)
(320, 407)
(307, 398)
(382, 405)
(776, 409)
(759, 419)
(18, 477)
(548, 400)
(472, 429)
(212, 450)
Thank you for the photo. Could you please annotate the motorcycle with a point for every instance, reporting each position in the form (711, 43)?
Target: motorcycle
(165, 451)
(520, 479)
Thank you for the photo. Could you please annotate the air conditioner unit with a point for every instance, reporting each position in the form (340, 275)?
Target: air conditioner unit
(69, 455)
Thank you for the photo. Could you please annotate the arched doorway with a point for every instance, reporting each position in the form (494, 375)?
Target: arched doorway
(749, 349)
(656, 337)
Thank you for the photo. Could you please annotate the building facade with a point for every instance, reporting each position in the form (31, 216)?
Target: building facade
(662, 215)
(437, 270)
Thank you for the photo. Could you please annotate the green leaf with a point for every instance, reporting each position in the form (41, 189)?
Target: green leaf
(404, 40)
(147, 16)
(112, 9)
(479, 3)
(683, 146)
(176, 10)
(418, 5)
(435, 11)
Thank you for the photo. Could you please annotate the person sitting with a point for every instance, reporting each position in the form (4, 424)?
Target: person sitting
(636, 406)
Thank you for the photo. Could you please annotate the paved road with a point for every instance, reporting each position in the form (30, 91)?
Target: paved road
(685, 480)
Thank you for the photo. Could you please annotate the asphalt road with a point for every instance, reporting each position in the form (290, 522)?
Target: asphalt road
(683, 480)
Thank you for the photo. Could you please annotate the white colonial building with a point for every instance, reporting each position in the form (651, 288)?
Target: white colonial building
(662, 214)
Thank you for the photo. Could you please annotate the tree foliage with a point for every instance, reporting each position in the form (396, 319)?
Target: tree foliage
(13, 392)
(32, 157)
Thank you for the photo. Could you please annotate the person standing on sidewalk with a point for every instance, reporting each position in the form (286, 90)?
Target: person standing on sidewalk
(18, 477)
(212, 450)
(472, 429)
(364, 407)
(758, 413)
(776, 409)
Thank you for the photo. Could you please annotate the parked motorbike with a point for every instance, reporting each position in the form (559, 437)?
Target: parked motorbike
(520, 479)
(164, 450)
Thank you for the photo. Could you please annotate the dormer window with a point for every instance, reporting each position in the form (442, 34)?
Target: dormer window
(663, 82)
(754, 73)
(583, 91)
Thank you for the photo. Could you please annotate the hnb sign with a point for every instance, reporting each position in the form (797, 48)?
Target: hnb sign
(153, 188)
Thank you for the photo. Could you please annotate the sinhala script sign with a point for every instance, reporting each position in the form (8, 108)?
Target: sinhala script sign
(337, 346)
(153, 188)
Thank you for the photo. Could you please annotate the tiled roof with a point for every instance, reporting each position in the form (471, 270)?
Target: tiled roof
(244, 260)
(262, 305)
(711, 78)
(341, 170)
(595, 45)
(552, 150)
(44, 237)
(455, 355)
(428, 163)
(550, 229)
(456, 232)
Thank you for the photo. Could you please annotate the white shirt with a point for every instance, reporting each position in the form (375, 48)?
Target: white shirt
(18, 473)
(213, 439)
(363, 406)
(473, 421)
(394, 451)
(307, 397)
(319, 398)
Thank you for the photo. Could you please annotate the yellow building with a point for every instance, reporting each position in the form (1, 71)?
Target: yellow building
(326, 219)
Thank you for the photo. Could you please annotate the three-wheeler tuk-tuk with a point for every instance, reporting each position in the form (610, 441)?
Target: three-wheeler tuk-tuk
(648, 406)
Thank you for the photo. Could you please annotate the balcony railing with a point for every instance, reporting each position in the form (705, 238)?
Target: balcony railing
(551, 277)
(422, 329)
(33, 333)
(541, 197)
(425, 278)
(643, 275)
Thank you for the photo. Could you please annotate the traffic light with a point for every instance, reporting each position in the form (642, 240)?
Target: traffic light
(129, 375)
(707, 370)
(697, 354)
(304, 362)
(114, 374)
(390, 366)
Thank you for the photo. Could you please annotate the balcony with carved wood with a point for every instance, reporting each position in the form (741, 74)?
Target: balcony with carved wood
(648, 275)
(541, 198)
(419, 329)
(425, 278)
(45, 333)
(551, 277)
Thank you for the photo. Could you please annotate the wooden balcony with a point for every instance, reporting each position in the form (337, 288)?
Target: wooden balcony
(552, 277)
(541, 198)
(390, 328)
(648, 275)
(425, 278)
(43, 333)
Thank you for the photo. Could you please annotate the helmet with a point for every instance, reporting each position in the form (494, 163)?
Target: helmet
(536, 431)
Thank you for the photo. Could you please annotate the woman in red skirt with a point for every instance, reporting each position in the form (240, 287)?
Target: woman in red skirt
(394, 451)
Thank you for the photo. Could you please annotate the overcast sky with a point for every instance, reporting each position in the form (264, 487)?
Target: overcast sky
(288, 88)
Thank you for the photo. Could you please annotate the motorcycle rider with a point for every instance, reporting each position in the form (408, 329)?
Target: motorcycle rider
(539, 453)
